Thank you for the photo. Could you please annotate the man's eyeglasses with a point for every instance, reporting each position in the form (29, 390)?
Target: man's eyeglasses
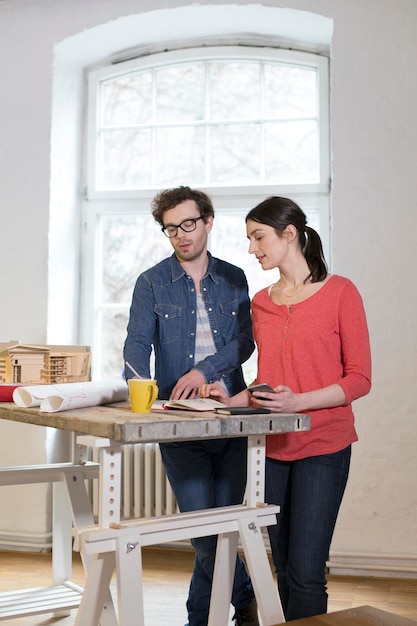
(187, 226)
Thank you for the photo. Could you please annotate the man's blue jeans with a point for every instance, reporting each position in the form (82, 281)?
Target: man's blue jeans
(204, 475)
(309, 492)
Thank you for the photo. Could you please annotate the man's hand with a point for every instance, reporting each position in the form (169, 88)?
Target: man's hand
(187, 386)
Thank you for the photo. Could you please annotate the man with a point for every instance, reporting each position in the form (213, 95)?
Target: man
(194, 310)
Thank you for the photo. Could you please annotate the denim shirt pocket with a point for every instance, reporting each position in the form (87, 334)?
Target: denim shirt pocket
(229, 318)
(169, 322)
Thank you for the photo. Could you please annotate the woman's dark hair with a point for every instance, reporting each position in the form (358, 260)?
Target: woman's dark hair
(279, 213)
(169, 198)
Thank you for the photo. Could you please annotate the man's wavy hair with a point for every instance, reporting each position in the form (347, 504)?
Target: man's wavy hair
(169, 198)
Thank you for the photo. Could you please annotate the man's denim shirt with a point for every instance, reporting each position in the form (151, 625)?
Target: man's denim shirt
(163, 315)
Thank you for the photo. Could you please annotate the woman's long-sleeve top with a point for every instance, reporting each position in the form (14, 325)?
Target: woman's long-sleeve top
(315, 343)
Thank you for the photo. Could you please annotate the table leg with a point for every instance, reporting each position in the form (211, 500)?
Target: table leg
(83, 516)
(61, 538)
(224, 571)
(255, 487)
(93, 607)
(130, 582)
(110, 485)
(110, 479)
(266, 591)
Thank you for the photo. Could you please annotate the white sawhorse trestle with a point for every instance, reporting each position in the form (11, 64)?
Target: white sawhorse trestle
(69, 499)
(120, 548)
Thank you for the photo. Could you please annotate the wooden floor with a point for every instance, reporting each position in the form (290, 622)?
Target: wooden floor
(166, 578)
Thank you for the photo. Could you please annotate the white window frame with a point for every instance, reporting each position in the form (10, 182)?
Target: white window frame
(96, 202)
(290, 57)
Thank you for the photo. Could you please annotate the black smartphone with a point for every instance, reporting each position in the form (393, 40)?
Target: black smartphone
(261, 387)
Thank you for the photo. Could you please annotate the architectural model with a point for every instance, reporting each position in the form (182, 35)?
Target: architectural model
(21, 363)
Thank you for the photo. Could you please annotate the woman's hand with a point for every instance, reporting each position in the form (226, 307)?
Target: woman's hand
(283, 400)
(215, 391)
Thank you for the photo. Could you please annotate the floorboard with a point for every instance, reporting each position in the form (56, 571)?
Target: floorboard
(166, 574)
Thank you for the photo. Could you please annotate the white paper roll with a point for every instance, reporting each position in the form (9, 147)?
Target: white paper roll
(53, 398)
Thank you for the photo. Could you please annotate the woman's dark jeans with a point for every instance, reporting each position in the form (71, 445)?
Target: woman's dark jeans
(309, 492)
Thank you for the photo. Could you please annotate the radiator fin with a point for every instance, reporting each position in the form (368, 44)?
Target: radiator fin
(146, 491)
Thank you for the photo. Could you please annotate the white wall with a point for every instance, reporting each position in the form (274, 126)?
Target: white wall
(43, 47)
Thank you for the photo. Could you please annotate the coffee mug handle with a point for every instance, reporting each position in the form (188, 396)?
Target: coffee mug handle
(153, 395)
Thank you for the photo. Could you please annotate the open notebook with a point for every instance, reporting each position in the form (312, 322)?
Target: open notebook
(197, 404)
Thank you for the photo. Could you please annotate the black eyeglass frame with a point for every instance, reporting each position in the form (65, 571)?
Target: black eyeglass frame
(181, 225)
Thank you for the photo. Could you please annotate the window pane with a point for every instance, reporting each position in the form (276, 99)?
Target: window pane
(180, 155)
(234, 90)
(158, 125)
(127, 100)
(126, 251)
(180, 93)
(112, 336)
(235, 153)
(291, 152)
(290, 92)
(229, 242)
(126, 158)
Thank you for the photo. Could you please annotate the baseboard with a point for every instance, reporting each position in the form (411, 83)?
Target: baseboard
(377, 565)
(339, 564)
(26, 542)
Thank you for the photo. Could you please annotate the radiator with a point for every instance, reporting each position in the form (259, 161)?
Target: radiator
(146, 491)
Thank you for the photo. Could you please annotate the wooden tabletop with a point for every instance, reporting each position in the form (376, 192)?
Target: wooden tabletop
(117, 422)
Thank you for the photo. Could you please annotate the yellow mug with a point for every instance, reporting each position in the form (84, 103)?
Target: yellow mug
(143, 393)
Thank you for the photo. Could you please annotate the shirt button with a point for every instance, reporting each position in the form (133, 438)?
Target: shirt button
(192, 312)
(166, 315)
(192, 290)
(233, 312)
(214, 332)
(190, 356)
(204, 288)
(210, 308)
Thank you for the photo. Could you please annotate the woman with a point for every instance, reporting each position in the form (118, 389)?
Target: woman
(313, 349)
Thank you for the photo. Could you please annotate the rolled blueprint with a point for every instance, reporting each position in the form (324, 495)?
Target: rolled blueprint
(64, 396)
